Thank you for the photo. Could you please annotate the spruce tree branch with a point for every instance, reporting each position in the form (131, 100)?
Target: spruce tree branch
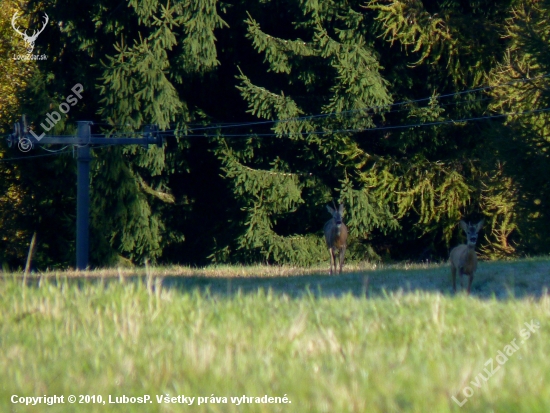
(163, 196)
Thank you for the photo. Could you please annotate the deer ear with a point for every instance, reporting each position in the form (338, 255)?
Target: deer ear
(330, 210)
(463, 225)
(479, 225)
(341, 209)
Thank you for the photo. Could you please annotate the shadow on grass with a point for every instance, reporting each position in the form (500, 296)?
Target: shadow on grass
(500, 280)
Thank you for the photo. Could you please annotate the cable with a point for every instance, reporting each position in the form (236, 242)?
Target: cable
(322, 115)
(32, 156)
(401, 103)
(54, 151)
(170, 132)
(443, 122)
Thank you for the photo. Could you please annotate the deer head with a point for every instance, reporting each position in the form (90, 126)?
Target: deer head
(29, 40)
(336, 213)
(471, 232)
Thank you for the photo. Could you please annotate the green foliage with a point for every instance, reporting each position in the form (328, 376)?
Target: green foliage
(416, 29)
(267, 195)
(29, 203)
(279, 108)
(379, 181)
(12, 193)
(136, 90)
(138, 87)
(137, 75)
(13, 73)
(463, 36)
(500, 203)
(351, 71)
(523, 142)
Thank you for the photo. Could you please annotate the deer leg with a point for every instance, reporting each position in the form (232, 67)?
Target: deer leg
(453, 276)
(342, 254)
(471, 276)
(332, 264)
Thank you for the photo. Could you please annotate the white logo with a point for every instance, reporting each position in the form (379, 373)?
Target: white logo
(29, 40)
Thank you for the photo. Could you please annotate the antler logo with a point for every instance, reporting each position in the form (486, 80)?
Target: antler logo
(29, 40)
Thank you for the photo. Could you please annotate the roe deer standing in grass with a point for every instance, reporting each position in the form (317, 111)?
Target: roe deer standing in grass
(336, 235)
(464, 258)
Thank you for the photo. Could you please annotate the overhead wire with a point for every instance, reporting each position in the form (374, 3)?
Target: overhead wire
(223, 125)
(379, 128)
(372, 108)
(32, 156)
(171, 132)
(54, 150)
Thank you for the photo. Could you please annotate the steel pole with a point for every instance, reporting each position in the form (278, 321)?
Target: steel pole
(83, 196)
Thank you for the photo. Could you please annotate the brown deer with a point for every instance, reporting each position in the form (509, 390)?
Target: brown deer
(464, 258)
(336, 235)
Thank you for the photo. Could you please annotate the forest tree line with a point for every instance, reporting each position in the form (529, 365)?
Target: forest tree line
(413, 114)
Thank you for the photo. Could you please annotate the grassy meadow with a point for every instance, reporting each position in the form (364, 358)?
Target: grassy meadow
(375, 339)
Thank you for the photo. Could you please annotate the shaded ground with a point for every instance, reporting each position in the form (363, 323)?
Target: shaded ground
(501, 280)
(520, 279)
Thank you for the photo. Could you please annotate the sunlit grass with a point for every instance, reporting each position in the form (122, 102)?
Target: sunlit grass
(321, 343)
(228, 270)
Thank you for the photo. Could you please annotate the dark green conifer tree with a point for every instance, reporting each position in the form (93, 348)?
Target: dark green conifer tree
(310, 154)
(521, 146)
(134, 60)
(335, 77)
(287, 107)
